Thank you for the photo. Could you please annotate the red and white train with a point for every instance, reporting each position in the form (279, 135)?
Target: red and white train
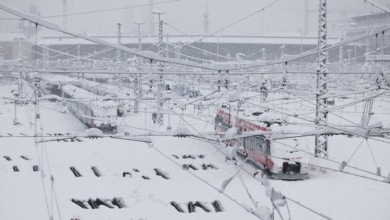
(276, 160)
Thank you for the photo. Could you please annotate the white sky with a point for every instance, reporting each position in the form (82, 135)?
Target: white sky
(186, 15)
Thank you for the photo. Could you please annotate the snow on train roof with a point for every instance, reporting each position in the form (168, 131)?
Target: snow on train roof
(52, 78)
(77, 93)
(61, 79)
(110, 89)
(100, 107)
(255, 116)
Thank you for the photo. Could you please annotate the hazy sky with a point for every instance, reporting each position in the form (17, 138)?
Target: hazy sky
(187, 15)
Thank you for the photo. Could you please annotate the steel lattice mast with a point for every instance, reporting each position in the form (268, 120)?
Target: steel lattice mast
(160, 69)
(321, 141)
(160, 41)
(137, 83)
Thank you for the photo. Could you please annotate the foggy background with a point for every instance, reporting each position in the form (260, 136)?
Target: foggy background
(286, 16)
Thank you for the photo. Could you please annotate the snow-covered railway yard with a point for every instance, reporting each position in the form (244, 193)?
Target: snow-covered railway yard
(144, 116)
(193, 170)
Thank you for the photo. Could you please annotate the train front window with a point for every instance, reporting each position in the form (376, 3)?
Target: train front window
(267, 147)
(260, 144)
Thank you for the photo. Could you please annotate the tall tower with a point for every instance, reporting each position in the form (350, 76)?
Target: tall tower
(160, 116)
(321, 140)
(29, 28)
(306, 17)
(65, 14)
(206, 20)
(151, 20)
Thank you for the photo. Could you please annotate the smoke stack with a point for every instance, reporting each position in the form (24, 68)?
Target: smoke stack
(206, 20)
(151, 20)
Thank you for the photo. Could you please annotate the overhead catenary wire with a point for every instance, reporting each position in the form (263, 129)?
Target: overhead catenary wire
(108, 10)
(234, 23)
(206, 51)
(361, 125)
(312, 120)
(212, 143)
(181, 54)
(180, 62)
(204, 181)
(333, 160)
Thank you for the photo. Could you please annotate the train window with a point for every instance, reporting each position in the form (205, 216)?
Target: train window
(240, 141)
(249, 143)
(260, 143)
(267, 147)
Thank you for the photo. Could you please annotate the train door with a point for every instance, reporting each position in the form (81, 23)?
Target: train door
(249, 145)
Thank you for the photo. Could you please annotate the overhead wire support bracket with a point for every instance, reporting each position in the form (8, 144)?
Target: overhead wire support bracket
(151, 55)
(377, 6)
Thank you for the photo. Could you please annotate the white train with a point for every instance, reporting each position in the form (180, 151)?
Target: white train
(91, 109)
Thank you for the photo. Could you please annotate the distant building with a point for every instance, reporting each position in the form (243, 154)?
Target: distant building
(27, 27)
(367, 22)
(370, 49)
(215, 48)
(15, 46)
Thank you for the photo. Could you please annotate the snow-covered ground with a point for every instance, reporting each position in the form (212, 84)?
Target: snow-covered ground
(37, 195)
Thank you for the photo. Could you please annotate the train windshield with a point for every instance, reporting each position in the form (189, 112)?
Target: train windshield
(291, 148)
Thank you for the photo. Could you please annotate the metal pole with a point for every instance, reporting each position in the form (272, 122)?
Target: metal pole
(169, 128)
(341, 54)
(349, 56)
(139, 35)
(301, 44)
(177, 51)
(20, 86)
(355, 44)
(37, 115)
(321, 140)
(118, 52)
(137, 83)
(217, 48)
(151, 20)
(78, 52)
(263, 50)
(160, 118)
(15, 119)
(20, 49)
(167, 47)
(160, 85)
(301, 39)
(65, 14)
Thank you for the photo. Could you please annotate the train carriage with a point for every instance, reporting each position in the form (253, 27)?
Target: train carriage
(254, 142)
(90, 108)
